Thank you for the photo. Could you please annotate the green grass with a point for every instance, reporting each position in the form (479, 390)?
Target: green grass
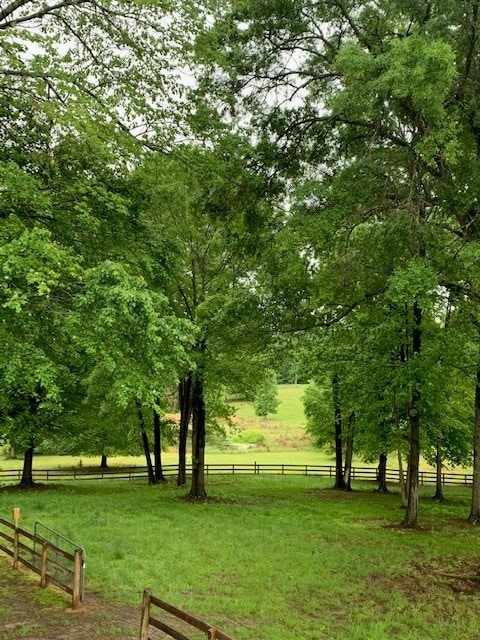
(275, 558)
(290, 409)
(284, 429)
(310, 456)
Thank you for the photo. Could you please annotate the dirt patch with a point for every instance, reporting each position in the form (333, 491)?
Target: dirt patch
(27, 612)
(37, 486)
(462, 577)
(411, 585)
(357, 495)
(30, 613)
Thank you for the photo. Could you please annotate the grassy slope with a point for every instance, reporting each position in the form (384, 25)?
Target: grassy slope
(274, 558)
(284, 429)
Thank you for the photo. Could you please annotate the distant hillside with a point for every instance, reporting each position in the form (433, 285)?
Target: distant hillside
(282, 430)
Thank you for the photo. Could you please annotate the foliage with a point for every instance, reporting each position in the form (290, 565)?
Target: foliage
(135, 344)
(249, 436)
(378, 114)
(265, 399)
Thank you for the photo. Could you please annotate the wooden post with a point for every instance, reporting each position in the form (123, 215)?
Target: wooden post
(43, 568)
(16, 541)
(16, 515)
(77, 579)
(145, 620)
(212, 634)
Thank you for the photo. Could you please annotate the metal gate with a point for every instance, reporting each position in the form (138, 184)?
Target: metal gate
(58, 561)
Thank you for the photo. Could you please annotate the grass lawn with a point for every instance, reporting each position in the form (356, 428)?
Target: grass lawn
(289, 412)
(309, 456)
(275, 558)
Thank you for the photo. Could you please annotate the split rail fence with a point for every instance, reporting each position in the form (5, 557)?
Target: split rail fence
(148, 621)
(54, 564)
(328, 471)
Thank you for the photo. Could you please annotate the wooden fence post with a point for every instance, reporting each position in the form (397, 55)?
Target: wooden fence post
(77, 579)
(16, 541)
(212, 634)
(145, 620)
(43, 568)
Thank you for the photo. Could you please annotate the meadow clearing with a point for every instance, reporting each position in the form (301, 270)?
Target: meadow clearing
(270, 557)
(275, 558)
(283, 440)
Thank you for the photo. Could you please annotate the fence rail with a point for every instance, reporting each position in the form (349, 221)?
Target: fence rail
(130, 473)
(38, 558)
(148, 620)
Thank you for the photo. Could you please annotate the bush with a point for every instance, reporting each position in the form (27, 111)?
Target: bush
(249, 436)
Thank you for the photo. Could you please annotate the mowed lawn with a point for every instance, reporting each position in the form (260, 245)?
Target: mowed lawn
(275, 558)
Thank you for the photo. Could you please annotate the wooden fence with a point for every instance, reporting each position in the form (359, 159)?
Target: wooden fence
(148, 621)
(131, 473)
(38, 558)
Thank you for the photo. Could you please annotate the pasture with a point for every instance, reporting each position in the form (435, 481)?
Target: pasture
(275, 558)
(284, 441)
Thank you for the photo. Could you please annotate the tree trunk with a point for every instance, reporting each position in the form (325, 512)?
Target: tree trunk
(146, 445)
(475, 508)
(401, 478)
(349, 452)
(411, 515)
(382, 473)
(157, 446)
(185, 405)
(27, 473)
(198, 438)
(339, 482)
(103, 461)
(13, 452)
(438, 478)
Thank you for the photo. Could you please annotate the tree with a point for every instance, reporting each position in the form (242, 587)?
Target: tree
(135, 345)
(83, 64)
(266, 395)
(202, 214)
(369, 99)
(37, 274)
(65, 113)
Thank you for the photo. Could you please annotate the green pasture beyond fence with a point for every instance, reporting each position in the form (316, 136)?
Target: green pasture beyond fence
(170, 470)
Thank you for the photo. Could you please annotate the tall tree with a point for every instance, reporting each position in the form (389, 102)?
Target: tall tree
(378, 102)
(75, 88)
(37, 276)
(196, 206)
(134, 344)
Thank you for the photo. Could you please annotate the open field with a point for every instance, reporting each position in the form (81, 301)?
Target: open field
(171, 457)
(284, 429)
(285, 441)
(276, 558)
